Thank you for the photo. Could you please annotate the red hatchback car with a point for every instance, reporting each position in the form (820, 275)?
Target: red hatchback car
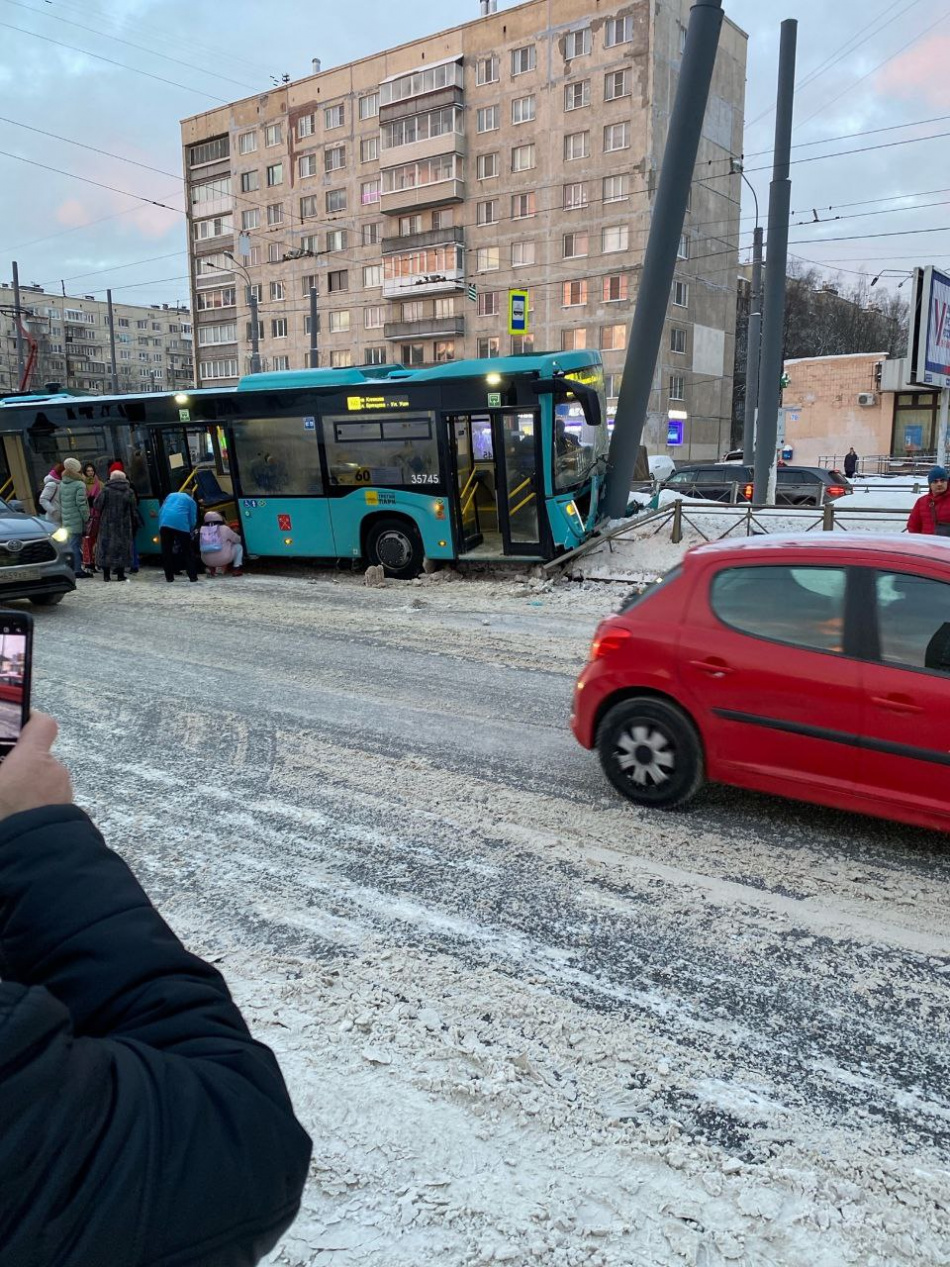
(815, 667)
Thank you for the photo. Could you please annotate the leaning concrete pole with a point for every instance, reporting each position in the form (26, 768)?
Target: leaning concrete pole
(753, 340)
(659, 262)
(776, 261)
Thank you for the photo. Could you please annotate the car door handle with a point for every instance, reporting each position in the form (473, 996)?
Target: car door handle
(715, 668)
(896, 703)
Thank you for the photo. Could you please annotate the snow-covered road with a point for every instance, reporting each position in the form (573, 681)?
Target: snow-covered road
(524, 1021)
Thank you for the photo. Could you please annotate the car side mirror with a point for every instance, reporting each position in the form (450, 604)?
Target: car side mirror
(561, 387)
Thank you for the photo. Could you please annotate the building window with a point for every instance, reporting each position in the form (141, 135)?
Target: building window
(307, 165)
(412, 353)
(334, 158)
(487, 303)
(577, 95)
(487, 259)
(523, 59)
(369, 106)
(574, 195)
(409, 225)
(486, 70)
(575, 246)
(574, 293)
(616, 288)
(486, 348)
(522, 344)
(278, 328)
(615, 238)
(573, 340)
(616, 188)
(616, 137)
(487, 212)
(522, 158)
(305, 126)
(273, 134)
(275, 213)
(444, 350)
(340, 321)
(369, 149)
(445, 307)
(681, 294)
(251, 219)
(338, 280)
(374, 355)
(677, 387)
(308, 207)
(273, 252)
(612, 386)
(281, 363)
(336, 240)
(682, 251)
(275, 174)
(310, 243)
(616, 84)
(247, 143)
(374, 317)
(486, 166)
(678, 339)
(277, 290)
(250, 181)
(486, 119)
(372, 276)
(577, 43)
(522, 109)
(308, 283)
(209, 151)
(225, 332)
(614, 338)
(618, 31)
(371, 234)
(577, 145)
(443, 218)
(522, 253)
(522, 206)
(427, 171)
(254, 256)
(335, 201)
(333, 116)
(413, 310)
(227, 368)
(341, 360)
(213, 227)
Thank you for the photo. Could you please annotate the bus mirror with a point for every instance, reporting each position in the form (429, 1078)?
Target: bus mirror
(586, 396)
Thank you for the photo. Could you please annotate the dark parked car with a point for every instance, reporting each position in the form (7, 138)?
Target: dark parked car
(35, 560)
(794, 485)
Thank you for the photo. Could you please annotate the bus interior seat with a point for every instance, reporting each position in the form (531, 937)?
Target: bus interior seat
(210, 492)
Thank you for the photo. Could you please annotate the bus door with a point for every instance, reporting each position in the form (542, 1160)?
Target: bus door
(518, 474)
(497, 462)
(472, 476)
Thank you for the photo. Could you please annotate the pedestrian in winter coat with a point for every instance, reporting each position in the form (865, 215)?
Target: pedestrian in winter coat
(74, 507)
(850, 463)
(118, 522)
(931, 513)
(140, 1123)
(49, 497)
(220, 546)
(92, 481)
(176, 525)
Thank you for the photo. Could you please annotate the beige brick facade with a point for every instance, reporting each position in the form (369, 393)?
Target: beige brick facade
(520, 150)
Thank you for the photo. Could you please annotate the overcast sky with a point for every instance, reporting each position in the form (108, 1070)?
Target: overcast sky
(863, 66)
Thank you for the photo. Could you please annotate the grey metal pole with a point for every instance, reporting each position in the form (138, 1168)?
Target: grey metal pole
(943, 428)
(659, 262)
(255, 331)
(21, 364)
(314, 358)
(115, 368)
(753, 339)
(773, 307)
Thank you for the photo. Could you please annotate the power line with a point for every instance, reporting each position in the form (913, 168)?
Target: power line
(850, 136)
(866, 149)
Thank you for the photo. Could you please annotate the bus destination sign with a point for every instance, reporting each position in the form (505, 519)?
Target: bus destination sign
(362, 404)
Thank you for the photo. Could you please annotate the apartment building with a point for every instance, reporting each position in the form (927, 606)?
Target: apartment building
(153, 343)
(416, 187)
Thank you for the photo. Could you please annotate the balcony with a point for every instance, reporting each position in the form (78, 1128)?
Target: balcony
(452, 95)
(437, 327)
(438, 194)
(408, 288)
(454, 235)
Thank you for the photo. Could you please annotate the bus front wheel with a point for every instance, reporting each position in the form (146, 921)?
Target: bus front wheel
(395, 545)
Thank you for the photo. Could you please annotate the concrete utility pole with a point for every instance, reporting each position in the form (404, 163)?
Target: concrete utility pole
(20, 363)
(659, 262)
(115, 370)
(314, 359)
(773, 308)
(753, 341)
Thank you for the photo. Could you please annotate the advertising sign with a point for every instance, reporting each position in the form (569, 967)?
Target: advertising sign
(674, 431)
(933, 345)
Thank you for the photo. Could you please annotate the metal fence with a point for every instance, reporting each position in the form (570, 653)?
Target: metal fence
(882, 463)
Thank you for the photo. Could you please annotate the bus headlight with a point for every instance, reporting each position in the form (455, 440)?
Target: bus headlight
(571, 511)
(60, 535)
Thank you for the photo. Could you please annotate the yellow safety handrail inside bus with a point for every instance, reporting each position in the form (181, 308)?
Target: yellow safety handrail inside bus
(469, 490)
(7, 488)
(192, 479)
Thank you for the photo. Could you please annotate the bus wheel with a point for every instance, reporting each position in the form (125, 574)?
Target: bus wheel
(395, 545)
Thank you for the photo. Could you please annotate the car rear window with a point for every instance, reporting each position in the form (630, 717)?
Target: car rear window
(803, 606)
(650, 588)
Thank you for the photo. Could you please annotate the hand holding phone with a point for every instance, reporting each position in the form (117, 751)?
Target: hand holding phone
(31, 777)
(16, 660)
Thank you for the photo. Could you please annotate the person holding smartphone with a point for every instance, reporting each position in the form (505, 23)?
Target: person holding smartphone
(140, 1123)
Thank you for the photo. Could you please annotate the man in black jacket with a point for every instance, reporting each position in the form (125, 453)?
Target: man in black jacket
(140, 1123)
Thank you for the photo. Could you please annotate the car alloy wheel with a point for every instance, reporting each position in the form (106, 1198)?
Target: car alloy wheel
(651, 752)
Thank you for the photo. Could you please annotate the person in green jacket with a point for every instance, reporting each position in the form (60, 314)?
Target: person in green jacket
(74, 503)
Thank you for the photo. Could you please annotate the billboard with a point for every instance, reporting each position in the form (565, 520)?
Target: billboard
(930, 329)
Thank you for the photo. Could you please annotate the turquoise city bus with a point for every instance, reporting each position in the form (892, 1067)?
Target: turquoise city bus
(498, 459)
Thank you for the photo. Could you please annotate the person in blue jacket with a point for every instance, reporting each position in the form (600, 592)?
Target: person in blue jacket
(177, 520)
(140, 1123)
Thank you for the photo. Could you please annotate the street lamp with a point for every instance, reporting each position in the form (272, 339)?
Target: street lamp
(251, 303)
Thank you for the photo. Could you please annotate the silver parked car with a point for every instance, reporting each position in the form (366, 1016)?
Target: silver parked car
(35, 559)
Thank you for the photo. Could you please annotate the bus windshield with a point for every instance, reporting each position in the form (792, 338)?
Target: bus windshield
(577, 449)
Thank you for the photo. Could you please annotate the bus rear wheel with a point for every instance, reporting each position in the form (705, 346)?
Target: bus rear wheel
(395, 545)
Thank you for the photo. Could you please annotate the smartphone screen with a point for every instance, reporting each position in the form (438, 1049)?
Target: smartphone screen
(16, 651)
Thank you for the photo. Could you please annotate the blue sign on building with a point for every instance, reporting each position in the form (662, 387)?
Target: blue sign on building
(674, 431)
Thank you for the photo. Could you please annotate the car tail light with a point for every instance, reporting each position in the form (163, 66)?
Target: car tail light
(608, 640)
(835, 490)
(747, 492)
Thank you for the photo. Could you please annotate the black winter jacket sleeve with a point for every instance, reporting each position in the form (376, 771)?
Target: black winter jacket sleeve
(140, 1124)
